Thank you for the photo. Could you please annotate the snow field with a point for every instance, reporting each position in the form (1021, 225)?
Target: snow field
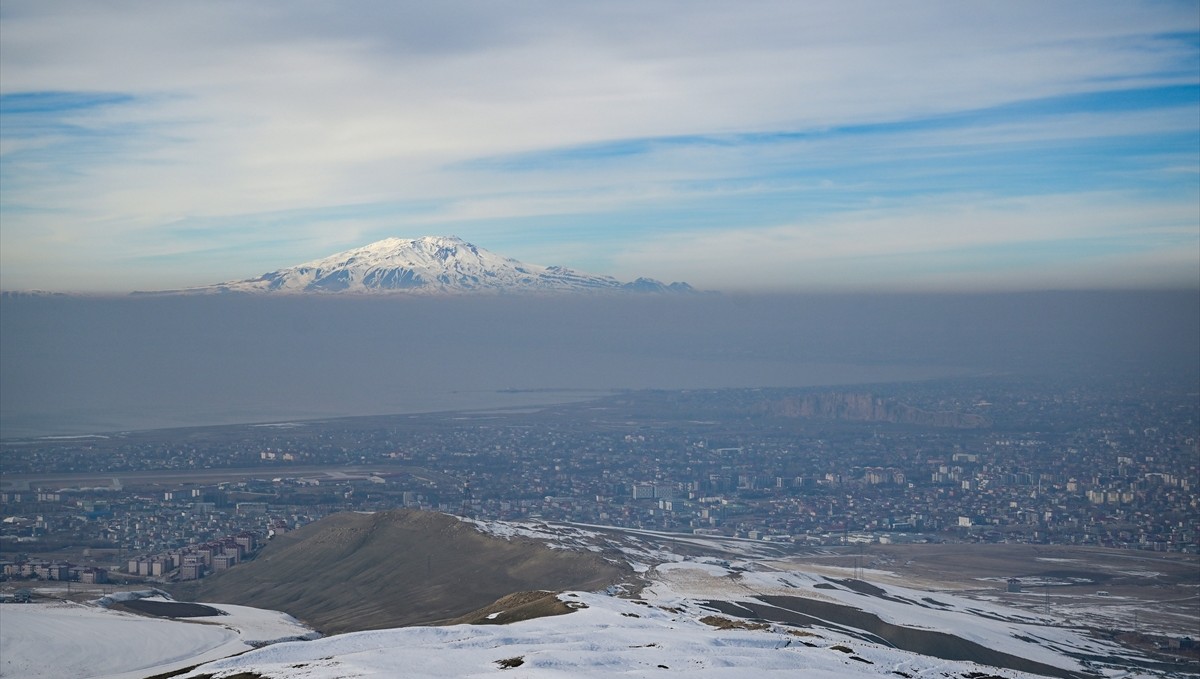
(65, 639)
(610, 637)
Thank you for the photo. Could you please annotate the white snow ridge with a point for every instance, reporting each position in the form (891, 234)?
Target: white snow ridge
(432, 264)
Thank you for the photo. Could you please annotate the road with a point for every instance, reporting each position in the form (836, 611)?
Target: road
(128, 480)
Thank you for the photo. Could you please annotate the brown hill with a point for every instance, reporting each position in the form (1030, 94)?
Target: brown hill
(351, 572)
(519, 606)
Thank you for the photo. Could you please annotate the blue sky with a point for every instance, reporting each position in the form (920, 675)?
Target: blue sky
(774, 146)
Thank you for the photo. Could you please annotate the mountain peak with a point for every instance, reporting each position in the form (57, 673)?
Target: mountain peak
(430, 265)
(393, 242)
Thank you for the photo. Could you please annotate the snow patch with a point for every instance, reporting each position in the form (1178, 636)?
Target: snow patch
(65, 639)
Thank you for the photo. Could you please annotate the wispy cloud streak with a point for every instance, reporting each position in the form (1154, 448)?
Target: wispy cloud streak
(138, 140)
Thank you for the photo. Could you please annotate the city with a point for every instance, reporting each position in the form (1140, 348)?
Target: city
(1108, 463)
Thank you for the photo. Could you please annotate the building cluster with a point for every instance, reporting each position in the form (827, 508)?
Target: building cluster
(197, 560)
(1102, 464)
(42, 569)
(196, 532)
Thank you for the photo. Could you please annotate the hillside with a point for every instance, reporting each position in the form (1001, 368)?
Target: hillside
(706, 606)
(605, 637)
(352, 572)
(706, 617)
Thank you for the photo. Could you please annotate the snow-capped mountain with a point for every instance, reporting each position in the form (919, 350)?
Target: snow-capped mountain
(432, 264)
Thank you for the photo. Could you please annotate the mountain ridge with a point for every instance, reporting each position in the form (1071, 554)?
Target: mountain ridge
(427, 265)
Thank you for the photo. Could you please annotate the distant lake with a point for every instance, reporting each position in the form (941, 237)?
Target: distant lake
(19, 423)
(80, 365)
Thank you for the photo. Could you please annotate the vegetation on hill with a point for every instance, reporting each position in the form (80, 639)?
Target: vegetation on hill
(352, 572)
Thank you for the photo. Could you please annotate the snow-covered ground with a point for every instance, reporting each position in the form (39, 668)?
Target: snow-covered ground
(612, 636)
(89, 641)
(671, 624)
(1018, 633)
(663, 629)
(639, 548)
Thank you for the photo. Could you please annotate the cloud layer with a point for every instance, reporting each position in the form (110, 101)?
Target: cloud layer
(763, 145)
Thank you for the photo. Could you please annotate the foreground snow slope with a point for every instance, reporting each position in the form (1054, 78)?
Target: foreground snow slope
(65, 639)
(744, 611)
(611, 636)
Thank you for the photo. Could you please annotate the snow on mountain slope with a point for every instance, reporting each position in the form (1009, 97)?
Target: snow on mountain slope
(925, 622)
(710, 616)
(432, 264)
(65, 639)
(606, 636)
(754, 580)
(704, 606)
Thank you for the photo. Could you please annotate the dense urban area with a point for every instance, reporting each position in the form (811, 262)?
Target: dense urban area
(1106, 462)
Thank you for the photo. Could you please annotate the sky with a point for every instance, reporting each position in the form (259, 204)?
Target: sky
(749, 146)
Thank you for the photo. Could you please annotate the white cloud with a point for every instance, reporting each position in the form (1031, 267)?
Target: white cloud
(249, 108)
(964, 243)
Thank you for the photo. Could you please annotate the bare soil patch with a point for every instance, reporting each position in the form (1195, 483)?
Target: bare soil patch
(351, 572)
(726, 623)
(167, 609)
(517, 607)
